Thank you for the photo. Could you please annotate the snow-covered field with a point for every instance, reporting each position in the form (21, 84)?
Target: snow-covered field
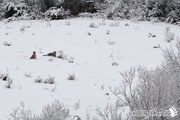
(93, 51)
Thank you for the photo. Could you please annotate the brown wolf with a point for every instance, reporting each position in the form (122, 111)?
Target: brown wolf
(53, 54)
(33, 55)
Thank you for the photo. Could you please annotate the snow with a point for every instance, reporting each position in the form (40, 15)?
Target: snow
(93, 56)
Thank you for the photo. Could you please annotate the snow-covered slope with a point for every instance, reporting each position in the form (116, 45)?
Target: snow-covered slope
(93, 51)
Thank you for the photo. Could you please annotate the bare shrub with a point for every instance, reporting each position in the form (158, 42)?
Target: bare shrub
(1, 75)
(172, 66)
(108, 32)
(110, 42)
(114, 24)
(50, 59)
(50, 80)
(156, 89)
(7, 44)
(126, 24)
(68, 23)
(54, 88)
(38, 80)
(70, 60)
(76, 117)
(173, 17)
(102, 23)
(48, 23)
(5, 77)
(169, 36)
(77, 105)
(149, 93)
(71, 77)
(110, 112)
(21, 10)
(56, 13)
(50, 3)
(150, 35)
(40, 5)
(22, 29)
(9, 83)
(21, 114)
(29, 75)
(88, 116)
(10, 9)
(53, 111)
(61, 54)
(115, 64)
(93, 25)
(88, 33)
(157, 46)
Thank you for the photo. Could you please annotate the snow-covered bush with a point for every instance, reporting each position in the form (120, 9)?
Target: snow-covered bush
(150, 91)
(50, 59)
(18, 11)
(22, 29)
(5, 77)
(126, 9)
(171, 65)
(21, 114)
(108, 32)
(114, 24)
(110, 112)
(143, 10)
(169, 36)
(50, 80)
(173, 17)
(36, 5)
(68, 23)
(10, 10)
(70, 59)
(154, 90)
(110, 42)
(1, 16)
(87, 6)
(114, 64)
(29, 75)
(53, 111)
(21, 9)
(93, 25)
(55, 13)
(38, 80)
(61, 55)
(9, 83)
(1, 11)
(88, 33)
(71, 77)
(50, 3)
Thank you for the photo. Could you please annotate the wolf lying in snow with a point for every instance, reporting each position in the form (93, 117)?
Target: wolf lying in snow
(33, 55)
(53, 54)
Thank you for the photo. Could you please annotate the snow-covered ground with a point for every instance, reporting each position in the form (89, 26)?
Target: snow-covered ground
(93, 50)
